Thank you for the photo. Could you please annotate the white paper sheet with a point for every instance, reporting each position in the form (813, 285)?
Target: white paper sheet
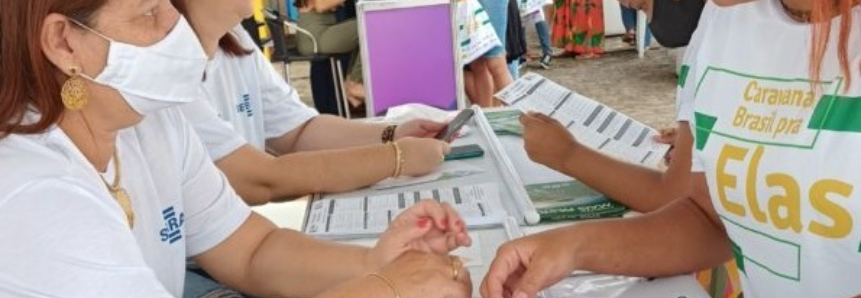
(592, 123)
(356, 216)
(447, 171)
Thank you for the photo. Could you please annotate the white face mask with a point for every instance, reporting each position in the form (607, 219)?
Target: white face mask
(162, 75)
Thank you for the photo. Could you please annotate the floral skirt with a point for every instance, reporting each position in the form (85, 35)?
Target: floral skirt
(578, 26)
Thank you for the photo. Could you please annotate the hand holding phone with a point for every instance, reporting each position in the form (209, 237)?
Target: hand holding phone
(454, 126)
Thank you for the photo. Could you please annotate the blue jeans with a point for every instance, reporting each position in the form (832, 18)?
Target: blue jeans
(629, 19)
(199, 285)
(497, 11)
(514, 69)
(543, 31)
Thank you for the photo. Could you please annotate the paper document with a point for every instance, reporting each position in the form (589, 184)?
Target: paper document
(356, 216)
(527, 7)
(447, 171)
(474, 31)
(592, 123)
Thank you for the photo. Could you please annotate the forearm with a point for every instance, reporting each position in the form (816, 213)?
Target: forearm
(329, 132)
(642, 189)
(677, 239)
(299, 266)
(260, 178)
(331, 170)
(264, 261)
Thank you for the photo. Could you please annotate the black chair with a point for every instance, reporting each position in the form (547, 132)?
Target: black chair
(286, 51)
(253, 28)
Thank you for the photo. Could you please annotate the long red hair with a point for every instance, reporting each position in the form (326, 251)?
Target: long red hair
(28, 80)
(821, 14)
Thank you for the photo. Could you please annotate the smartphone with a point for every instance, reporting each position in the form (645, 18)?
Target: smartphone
(463, 152)
(454, 126)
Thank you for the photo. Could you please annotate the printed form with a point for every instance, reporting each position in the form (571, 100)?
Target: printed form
(351, 216)
(592, 123)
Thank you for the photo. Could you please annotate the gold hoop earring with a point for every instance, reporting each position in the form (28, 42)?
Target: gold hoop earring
(74, 91)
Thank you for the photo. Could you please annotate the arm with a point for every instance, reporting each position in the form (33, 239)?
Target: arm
(549, 143)
(329, 132)
(259, 177)
(324, 6)
(264, 261)
(689, 230)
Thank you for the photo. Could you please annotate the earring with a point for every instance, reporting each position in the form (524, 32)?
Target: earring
(74, 92)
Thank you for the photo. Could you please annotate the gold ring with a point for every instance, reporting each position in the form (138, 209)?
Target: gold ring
(456, 264)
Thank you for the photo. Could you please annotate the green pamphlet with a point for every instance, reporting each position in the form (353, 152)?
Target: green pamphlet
(571, 200)
(505, 122)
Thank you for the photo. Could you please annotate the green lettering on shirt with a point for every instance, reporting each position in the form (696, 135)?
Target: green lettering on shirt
(704, 125)
(837, 113)
(683, 75)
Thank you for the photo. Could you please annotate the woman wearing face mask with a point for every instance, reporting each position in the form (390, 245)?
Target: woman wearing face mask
(773, 199)
(248, 109)
(106, 190)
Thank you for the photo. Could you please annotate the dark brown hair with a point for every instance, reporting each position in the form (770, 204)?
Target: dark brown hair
(228, 42)
(29, 81)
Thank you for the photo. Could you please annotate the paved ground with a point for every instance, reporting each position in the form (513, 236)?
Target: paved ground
(641, 88)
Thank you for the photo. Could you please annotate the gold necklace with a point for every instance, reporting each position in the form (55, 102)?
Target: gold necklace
(119, 193)
(802, 16)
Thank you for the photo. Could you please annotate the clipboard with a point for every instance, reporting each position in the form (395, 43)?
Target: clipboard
(498, 171)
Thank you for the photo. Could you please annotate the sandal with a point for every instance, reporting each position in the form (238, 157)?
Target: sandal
(587, 56)
(629, 38)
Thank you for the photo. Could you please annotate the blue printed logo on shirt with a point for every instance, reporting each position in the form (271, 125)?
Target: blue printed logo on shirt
(244, 106)
(172, 231)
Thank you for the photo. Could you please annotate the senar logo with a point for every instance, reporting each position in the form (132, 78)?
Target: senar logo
(172, 232)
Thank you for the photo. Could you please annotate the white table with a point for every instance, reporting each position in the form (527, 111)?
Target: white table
(291, 215)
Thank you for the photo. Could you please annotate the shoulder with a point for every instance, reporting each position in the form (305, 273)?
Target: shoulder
(28, 158)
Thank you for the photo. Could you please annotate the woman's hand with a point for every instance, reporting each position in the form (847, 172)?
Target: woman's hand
(428, 226)
(425, 275)
(527, 265)
(419, 128)
(421, 155)
(546, 141)
(667, 136)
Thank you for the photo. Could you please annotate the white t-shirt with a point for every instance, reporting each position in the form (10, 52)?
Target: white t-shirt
(780, 157)
(64, 235)
(244, 97)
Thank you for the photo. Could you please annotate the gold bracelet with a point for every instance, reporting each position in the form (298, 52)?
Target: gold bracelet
(388, 282)
(399, 160)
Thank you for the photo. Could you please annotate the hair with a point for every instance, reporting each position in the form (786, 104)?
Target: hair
(300, 3)
(228, 42)
(29, 81)
(821, 14)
